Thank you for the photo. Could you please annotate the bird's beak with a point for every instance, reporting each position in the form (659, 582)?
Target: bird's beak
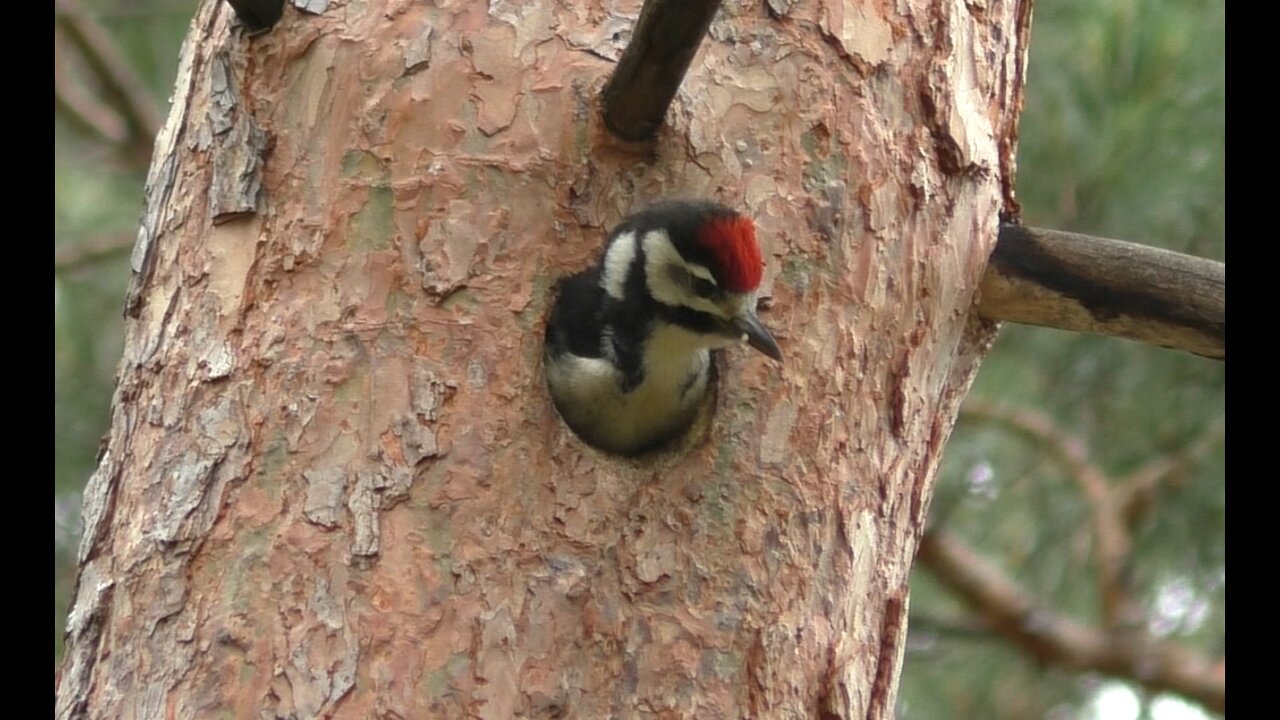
(757, 335)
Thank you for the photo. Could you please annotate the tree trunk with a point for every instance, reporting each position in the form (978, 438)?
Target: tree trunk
(335, 485)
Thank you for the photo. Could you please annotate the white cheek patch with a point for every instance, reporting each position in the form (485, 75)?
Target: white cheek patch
(660, 257)
(617, 263)
(699, 271)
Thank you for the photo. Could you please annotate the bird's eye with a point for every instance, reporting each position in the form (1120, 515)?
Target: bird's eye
(703, 287)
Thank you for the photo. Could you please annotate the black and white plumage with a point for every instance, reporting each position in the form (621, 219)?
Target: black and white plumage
(629, 341)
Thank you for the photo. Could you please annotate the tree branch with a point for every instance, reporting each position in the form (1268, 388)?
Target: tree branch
(1088, 284)
(951, 628)
(77, 105)
(1135, 493)
(76, 256)
(1015, 614)
(1111, 540)
(123, 86)
(648, 75)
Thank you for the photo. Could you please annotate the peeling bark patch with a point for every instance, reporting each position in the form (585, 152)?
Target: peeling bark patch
(865, 39)
(883, 206)
(194, 481)
(99, 493)
(947, 150)
(142, 259)
(756, 89)
(969, 122)
(648, 551)
(529, 20)
(852, 684)
(371, 226)
(863, 547)
(654, 553)
(326, 488)
(219, 363)
(605, 39)
(417, 441)
(774, 444)
(447, 251)
(375, 491)
(427, 394)
(161, 178)
(417, 55)
(232, 248)
(323, 658)
(780, 8)
(84, 630)
(364, 516)
(956, 112)
(223, 98)
(497, 90)
(239, 146)
(313, 7)
(191, 476)
(497, 106)
(171, 595)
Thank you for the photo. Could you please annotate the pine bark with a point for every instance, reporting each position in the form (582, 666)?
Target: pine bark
(335, 485)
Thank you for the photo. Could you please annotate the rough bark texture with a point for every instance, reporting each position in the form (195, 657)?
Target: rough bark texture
(335, 484)
(1055, 640)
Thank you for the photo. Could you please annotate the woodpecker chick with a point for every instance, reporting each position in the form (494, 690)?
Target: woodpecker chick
(628, 347)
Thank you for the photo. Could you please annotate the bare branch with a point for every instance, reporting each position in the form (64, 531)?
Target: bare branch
(76, 103)
(1134, 494)
(125, 90)
(648, 75)
(76, 256)
(1049, 637)
(924, 626)
(1088, 284)
(1067, 449)
(1112, 543)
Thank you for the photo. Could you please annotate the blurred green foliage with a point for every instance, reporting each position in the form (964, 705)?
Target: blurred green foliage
(1123, 135)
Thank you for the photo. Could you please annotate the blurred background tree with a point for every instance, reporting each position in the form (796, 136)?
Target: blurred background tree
(1123, 136)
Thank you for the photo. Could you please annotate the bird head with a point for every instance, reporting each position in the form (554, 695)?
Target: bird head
(701, 263)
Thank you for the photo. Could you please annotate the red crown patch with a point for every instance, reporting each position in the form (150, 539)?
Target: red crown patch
(731, 240)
